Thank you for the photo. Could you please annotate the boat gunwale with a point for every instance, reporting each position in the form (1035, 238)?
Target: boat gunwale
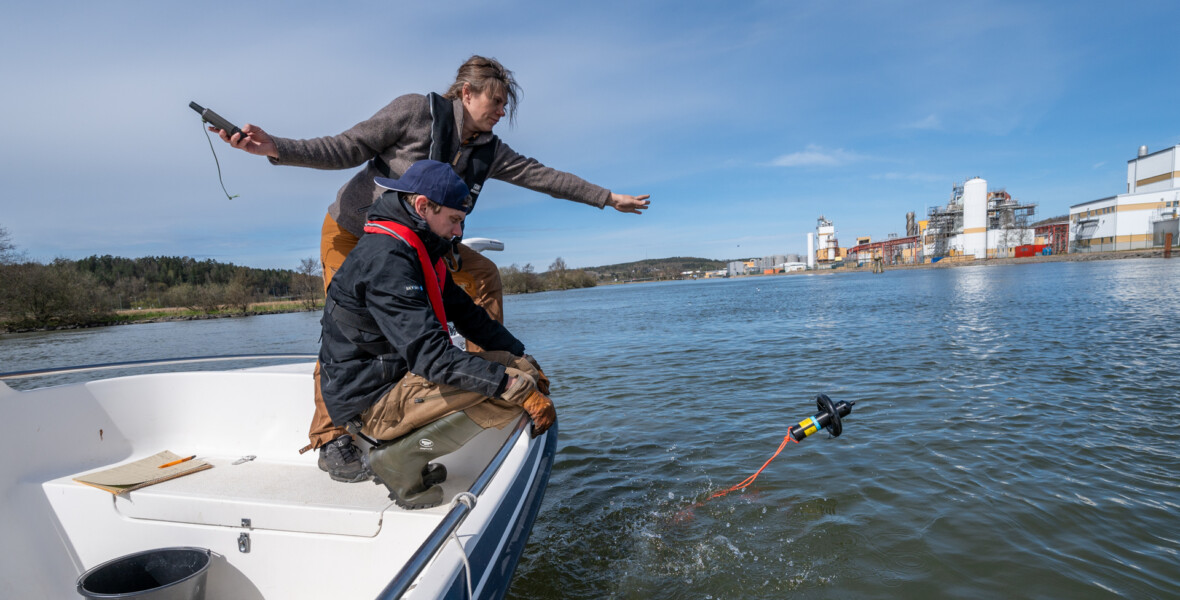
(151, 363)
(409, 573)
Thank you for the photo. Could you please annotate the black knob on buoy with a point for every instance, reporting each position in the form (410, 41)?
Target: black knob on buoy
(828, 418)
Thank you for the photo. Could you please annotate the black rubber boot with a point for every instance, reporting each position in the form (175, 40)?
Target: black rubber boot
(400, 464)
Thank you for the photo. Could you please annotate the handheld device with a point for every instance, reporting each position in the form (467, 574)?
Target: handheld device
(214, 119)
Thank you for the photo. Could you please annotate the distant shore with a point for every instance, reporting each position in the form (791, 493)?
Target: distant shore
(948, 264)
(180, 314)
(1070, 257)
(161, 315)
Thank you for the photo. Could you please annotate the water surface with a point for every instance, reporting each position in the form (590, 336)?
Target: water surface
(1016, 430)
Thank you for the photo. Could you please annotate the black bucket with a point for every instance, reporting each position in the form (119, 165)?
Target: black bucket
(163, 574)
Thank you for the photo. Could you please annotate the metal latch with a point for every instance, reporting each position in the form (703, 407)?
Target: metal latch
(244, 538)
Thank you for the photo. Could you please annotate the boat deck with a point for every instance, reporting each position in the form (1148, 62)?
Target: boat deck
(279, 495)
(300, 529)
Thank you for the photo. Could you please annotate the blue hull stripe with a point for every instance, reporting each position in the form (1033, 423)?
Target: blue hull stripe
(484, 554)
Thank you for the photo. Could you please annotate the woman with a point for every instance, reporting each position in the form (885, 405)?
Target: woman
(455, 128)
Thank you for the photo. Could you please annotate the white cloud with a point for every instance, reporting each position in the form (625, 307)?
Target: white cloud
(894, 176)
(816, 156)
(930, 122)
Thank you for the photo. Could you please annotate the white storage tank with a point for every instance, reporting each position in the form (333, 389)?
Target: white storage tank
(810, 250)
(975, 218)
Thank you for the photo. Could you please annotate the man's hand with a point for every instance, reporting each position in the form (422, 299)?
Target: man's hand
(542, 380)
(542, 411)
(521, 390)
(628, 204)
(252, 139)
(519, 386)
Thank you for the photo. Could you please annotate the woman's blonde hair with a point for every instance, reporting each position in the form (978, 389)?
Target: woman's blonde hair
(486, 75)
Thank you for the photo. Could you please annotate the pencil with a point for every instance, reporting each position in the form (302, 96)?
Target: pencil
(176, 462)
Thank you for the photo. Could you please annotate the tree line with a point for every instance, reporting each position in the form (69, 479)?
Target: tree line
(657, 268)
(524, 280)
(91, 291)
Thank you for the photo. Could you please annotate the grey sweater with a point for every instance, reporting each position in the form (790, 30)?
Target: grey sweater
(399, 135)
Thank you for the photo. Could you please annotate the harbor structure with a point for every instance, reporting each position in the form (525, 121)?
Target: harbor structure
(1140, 218)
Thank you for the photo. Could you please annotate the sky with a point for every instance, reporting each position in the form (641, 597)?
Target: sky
(744, 121)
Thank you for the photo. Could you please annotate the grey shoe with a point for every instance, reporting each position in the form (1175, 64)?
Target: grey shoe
(402, 464)
(343, 461)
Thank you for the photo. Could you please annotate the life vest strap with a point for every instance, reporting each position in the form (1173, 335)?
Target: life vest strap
(435, 275)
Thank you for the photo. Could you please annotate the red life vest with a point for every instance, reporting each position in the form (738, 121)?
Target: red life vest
(436, 275)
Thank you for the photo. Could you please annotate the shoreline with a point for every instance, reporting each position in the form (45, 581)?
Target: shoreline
(942, 264)
(866, 268)
(160, 318)
(992, 262)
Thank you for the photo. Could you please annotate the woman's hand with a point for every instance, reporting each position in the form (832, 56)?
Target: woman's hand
(252, 139)
(628, 204)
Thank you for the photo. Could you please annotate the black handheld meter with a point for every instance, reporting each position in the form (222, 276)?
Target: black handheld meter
(215, 119)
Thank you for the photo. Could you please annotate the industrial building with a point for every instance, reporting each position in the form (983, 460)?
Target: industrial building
(893, 250)
(828, 254)
(978, 223)
(829, 250)
(778, 263)
(1138, 219)
(975, 223)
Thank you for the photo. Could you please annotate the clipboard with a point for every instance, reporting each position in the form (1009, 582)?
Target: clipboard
(142, 473)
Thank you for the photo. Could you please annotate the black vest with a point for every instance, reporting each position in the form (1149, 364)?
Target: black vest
(445, 146)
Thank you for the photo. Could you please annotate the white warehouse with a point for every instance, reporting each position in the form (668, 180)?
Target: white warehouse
(1140, 218)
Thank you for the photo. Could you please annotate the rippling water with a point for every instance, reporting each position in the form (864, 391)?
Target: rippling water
(1016, 430)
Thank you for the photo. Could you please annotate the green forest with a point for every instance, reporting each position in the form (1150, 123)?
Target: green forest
(104, 290)
(107, 290)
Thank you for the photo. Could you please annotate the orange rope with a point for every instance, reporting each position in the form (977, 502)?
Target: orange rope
(749, 480)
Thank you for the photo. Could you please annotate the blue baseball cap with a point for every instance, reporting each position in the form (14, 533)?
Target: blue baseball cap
(435, 180)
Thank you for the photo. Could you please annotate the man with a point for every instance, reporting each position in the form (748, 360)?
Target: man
(387, 363)
(455, 127)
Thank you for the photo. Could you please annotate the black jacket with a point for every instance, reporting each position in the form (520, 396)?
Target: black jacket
(378, 323)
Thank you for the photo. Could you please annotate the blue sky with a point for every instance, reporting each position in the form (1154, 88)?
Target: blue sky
(745, 121)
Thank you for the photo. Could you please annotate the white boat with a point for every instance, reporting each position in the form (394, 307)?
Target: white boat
(277, 526)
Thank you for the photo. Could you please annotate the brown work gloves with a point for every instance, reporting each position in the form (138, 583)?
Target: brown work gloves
(542, 380)
(522, 391)
(541, 409)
